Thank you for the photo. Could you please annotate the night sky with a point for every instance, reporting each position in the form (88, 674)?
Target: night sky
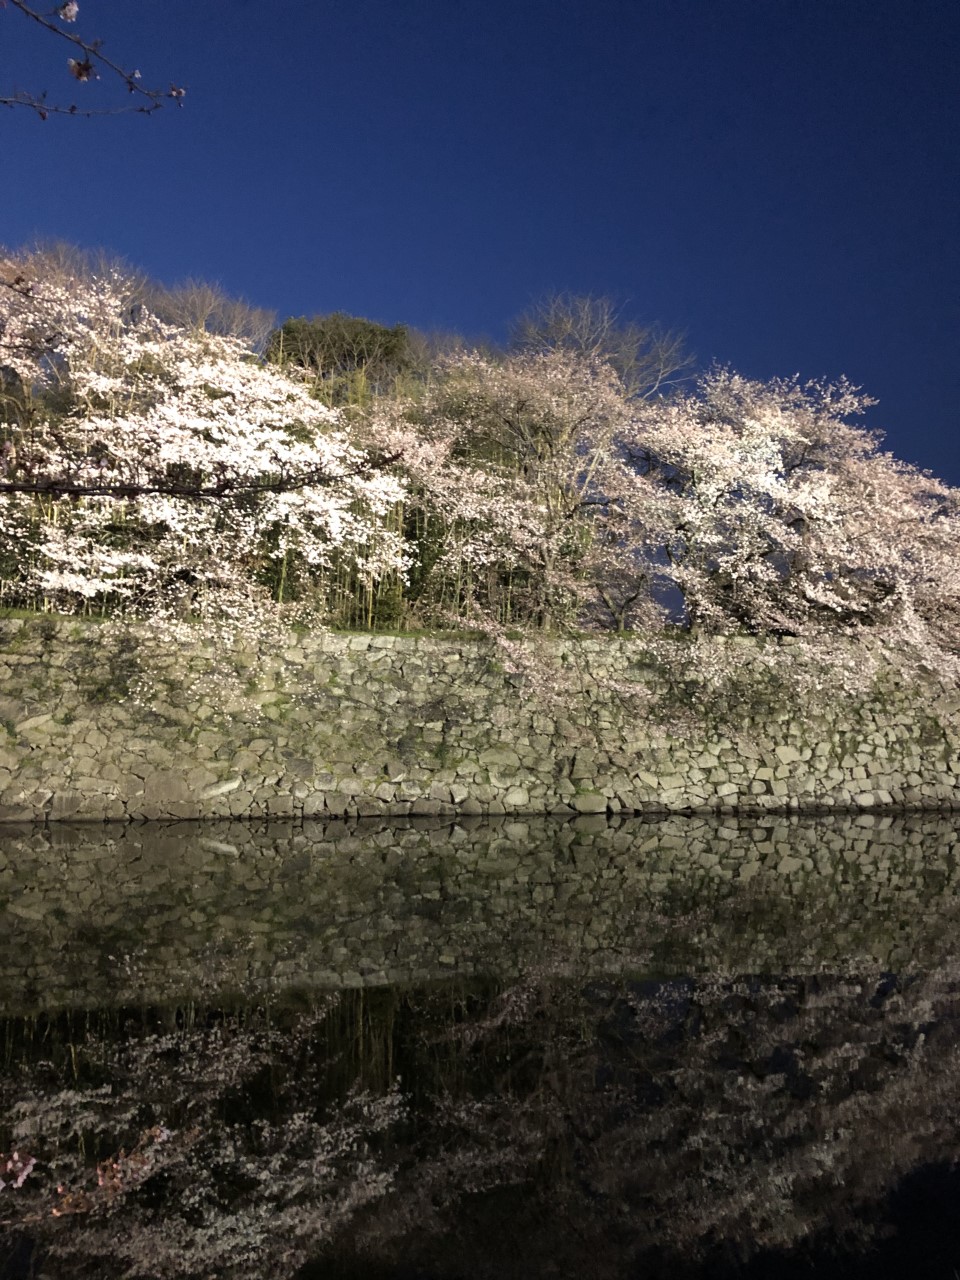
(778, 178)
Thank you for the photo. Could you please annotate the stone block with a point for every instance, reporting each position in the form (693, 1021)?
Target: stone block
(516, 798)
(499, 756)
(64, 804)
(589, 802)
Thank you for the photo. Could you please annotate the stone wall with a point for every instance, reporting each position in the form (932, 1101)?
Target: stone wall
(104, 721)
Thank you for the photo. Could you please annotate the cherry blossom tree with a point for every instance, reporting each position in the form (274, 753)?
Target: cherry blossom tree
(152, 467)
(541, 489)
(784, 516)
(514, 488)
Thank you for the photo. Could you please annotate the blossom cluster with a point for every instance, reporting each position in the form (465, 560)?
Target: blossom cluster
(146, 463)
(15, 1168)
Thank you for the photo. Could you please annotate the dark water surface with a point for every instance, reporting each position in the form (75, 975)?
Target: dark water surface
(512, 1048)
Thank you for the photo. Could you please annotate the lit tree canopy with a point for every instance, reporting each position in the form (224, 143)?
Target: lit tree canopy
(152, 461)
(141, 459)
(785, 516)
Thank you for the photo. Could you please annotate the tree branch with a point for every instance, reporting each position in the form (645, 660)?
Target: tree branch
(228, 487)
(87, 66)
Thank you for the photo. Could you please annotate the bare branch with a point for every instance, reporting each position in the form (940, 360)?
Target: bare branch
(229, 486)
(87, 65)
(647, 359)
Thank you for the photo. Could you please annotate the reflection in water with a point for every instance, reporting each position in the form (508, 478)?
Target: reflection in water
(106, 915)
(629, 1060)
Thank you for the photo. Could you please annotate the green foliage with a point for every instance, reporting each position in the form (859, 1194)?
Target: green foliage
(352, 358)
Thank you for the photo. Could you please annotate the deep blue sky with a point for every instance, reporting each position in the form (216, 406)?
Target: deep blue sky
(779, 178)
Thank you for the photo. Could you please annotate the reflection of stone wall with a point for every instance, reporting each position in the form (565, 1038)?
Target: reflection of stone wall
(109, 722)
(96, 914)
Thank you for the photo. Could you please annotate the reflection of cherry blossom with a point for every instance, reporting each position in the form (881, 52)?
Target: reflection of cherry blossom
(15, 1169)
(240, 1197)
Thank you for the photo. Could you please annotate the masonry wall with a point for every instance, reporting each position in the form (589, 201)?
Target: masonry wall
(110, 722)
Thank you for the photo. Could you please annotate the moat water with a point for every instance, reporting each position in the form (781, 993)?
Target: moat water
(513, 1048)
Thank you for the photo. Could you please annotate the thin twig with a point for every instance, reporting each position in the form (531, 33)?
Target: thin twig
(87, 68)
